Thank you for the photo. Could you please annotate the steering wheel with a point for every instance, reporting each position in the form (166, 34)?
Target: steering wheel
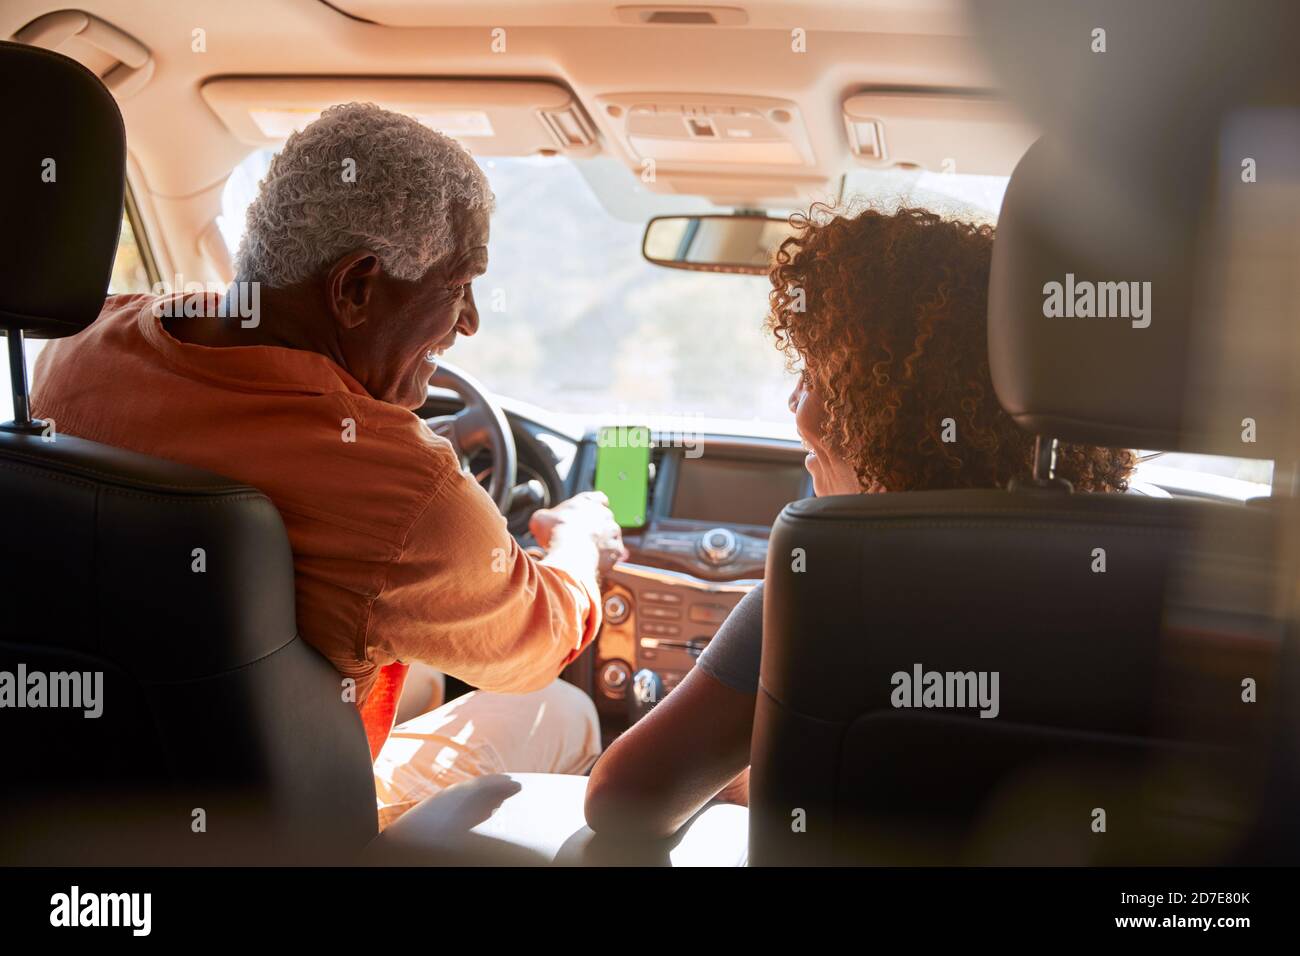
(480, 424)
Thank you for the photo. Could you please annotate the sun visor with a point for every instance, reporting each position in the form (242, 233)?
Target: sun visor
(489, 117)
(954, 132)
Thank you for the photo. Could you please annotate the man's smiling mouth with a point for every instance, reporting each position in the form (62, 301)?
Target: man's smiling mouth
(434, 352)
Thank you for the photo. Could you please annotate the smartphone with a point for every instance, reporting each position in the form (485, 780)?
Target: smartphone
(623, 472)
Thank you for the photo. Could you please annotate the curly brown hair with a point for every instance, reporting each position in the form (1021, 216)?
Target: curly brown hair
(887, 313)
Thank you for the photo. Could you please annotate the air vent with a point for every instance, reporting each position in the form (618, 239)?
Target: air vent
(682, 16)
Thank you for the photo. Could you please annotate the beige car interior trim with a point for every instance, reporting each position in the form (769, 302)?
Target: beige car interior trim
(929, 129)
(143, 241)
(876, 16)
(677, 14)
(490, 117)
(813, 53)
(146, 211)
(734, 149)
(700, 131)
(212, 246)
(117, 58)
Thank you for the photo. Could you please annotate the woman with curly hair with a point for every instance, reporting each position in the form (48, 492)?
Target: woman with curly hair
(884, 315)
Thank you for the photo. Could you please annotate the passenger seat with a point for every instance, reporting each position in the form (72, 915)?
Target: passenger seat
(1146, 669)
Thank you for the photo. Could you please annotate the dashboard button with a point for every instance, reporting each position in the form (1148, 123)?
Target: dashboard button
(661, 630)
(661, 597)
(670, 613)
(708, 613)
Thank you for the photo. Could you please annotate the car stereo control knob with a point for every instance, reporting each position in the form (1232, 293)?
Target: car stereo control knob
(718, 546)
(614, 677)
(616, 608)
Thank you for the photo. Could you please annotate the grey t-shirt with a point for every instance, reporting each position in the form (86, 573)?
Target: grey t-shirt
(733, 655)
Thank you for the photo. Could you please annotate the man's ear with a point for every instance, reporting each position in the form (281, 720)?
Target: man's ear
(350, 287)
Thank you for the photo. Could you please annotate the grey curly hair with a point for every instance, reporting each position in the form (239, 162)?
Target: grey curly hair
(412, 186)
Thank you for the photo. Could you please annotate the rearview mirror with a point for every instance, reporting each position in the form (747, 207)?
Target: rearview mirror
(743, 243)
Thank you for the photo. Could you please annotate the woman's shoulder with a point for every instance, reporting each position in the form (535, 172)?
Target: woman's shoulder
(733, 656)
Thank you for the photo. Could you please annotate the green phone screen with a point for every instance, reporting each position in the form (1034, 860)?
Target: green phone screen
(623, 472)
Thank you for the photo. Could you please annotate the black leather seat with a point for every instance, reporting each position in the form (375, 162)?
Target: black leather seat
(1119, 691)
(210, 700)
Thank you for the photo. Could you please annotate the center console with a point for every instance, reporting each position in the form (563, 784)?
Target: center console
(709, 512)
(656, 624)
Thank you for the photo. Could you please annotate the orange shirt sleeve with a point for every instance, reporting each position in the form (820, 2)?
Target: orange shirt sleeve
(463, 597)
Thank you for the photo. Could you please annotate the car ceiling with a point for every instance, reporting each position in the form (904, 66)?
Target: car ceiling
(181, 152)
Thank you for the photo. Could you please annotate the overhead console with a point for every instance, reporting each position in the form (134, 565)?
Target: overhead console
(735, 149)
(674, 129)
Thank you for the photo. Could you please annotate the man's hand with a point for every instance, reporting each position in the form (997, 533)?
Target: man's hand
(584, 517)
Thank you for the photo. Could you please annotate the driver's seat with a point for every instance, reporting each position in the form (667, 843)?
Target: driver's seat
(221, 735)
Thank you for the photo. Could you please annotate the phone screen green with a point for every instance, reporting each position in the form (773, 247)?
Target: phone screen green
(623, 472)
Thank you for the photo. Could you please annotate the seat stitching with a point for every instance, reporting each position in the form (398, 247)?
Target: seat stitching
(231, 670)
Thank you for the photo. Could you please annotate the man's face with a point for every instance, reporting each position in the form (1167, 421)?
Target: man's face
(407, 325)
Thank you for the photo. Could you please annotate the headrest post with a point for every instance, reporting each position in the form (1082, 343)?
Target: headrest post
(22, 423)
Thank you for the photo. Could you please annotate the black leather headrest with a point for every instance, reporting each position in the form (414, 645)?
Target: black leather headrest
(62, 179)
(1090, 308)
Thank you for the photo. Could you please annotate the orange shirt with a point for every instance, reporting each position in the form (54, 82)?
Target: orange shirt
(398, 555)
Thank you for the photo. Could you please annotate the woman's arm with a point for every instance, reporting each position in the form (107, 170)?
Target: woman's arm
(672, 762)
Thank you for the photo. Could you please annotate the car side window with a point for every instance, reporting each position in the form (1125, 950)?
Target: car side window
(129, 272)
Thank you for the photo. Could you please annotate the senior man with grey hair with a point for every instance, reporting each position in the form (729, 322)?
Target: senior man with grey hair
(362, 245)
